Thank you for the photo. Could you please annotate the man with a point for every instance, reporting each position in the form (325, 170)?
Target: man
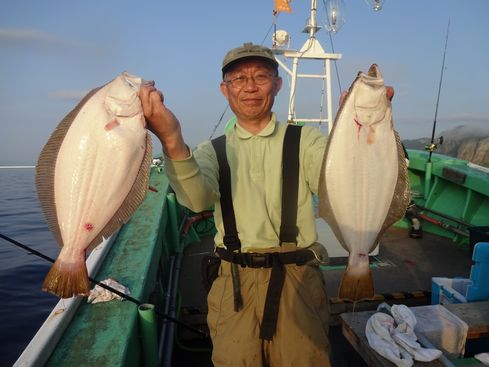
(251, 322)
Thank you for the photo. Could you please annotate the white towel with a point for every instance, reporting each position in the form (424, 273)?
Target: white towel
(100, 294)
(378, 331)
(394, 337)
(483, 357)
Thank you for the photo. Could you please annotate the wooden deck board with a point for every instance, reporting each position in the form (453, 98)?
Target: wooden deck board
(476, 315)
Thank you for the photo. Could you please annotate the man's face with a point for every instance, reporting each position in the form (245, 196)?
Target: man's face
(250, 88)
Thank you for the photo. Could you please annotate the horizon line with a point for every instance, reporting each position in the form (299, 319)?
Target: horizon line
(17, 166)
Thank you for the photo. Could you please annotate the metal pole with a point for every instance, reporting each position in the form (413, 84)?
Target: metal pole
(293, 83)
(312, 23)
(328, 95)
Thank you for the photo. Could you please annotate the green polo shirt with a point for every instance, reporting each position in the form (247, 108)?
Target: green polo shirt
(256, 178)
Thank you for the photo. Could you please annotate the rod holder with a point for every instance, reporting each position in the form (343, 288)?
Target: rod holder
(149, 339)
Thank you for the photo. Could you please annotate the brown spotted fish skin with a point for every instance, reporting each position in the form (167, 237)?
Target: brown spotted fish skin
(91, 176)
(363, 186)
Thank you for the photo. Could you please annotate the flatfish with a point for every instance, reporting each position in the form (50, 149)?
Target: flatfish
(91, 176)
(363, 186)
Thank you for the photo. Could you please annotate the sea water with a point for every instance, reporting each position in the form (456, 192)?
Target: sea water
(23, 305)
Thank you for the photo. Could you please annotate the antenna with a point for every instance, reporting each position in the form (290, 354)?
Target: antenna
(432, 145)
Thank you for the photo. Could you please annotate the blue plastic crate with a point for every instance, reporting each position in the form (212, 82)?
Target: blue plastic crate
(479, 273)
(461, 290)
(449, 290)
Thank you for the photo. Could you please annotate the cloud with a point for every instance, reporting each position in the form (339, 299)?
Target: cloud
(27, 36)
(458, 119)
(465, 131)
(38, 40)
(71, 95)
(416, 127)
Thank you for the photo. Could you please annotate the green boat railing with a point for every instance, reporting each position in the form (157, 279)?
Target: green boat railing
(109, 334)
(454, 194)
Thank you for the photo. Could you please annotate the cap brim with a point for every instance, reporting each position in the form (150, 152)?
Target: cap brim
(231, 64)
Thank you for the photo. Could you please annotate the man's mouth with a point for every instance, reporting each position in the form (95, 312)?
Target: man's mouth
(251, 101)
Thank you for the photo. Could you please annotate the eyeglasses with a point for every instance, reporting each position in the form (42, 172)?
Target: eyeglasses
(242, 80)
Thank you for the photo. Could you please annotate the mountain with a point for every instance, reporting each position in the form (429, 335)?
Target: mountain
(463, 142)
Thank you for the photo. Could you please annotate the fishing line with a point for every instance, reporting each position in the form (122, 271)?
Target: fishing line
(272, 26)
(432, 145)
(109, 288)
(332, 49)
(219, 122)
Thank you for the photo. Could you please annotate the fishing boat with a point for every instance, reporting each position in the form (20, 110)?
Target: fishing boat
(158, 253)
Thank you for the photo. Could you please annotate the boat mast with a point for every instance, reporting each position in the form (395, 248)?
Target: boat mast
(311, 50)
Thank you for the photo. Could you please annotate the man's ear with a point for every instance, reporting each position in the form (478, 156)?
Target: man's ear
(224, 89)
(277, 85)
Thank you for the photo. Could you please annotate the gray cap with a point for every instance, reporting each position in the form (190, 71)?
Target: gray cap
(248, 51)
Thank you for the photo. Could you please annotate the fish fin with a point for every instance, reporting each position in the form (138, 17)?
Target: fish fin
(356, 285)
(46, 165)
(67, 280)
(401, 197)
(133, 199)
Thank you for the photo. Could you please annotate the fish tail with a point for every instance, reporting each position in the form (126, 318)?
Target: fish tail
(356, 285)
(67, 280)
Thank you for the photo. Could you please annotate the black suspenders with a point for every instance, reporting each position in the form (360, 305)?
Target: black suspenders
(290, 184)
(288, 228)
(231, 239)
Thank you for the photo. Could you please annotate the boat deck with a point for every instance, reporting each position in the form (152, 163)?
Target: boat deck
(402, 273)
(404, 266)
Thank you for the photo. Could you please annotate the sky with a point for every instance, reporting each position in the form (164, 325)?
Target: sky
(53, 52)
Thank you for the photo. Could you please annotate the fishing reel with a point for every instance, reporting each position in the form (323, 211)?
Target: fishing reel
(434, 145)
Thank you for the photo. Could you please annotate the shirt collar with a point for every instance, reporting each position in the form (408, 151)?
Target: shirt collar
(266, 131)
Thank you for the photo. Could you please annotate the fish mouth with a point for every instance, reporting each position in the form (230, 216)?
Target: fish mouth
(374, 71)
(131, 84)
(132, 81)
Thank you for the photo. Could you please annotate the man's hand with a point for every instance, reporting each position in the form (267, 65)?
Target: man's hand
(162, 122)
(389, 92)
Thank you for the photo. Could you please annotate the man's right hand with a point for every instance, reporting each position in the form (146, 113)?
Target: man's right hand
(162, 122)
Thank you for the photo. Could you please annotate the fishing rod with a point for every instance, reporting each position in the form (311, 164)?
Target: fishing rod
(449, 217)
(109, 288)
(432, 145)
(443, 225)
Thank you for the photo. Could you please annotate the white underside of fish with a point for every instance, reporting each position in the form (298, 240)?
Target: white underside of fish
(100, 157)
(363, 185)
(359, 189)
(93, 173)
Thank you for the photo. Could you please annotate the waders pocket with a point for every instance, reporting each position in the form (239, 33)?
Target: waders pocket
(210, 270)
